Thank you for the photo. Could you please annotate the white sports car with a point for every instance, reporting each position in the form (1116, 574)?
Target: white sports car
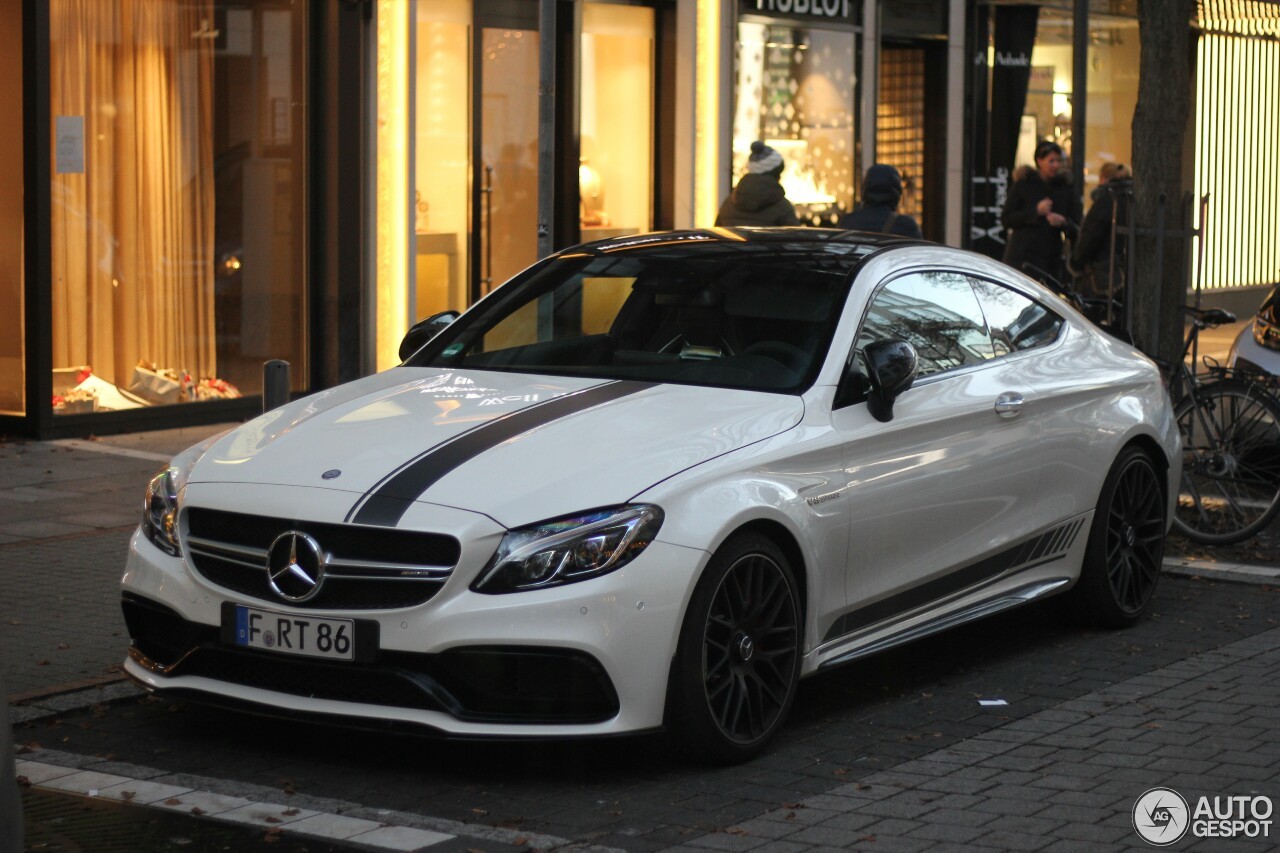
(653, 482)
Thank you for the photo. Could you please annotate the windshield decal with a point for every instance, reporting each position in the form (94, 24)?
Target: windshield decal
(387, 501)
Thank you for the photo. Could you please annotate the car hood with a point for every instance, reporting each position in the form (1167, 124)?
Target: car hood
(516, 447)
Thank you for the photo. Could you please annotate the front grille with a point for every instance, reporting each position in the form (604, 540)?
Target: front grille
(511, 684)
(367, 568)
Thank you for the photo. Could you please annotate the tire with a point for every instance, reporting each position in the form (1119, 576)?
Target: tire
(1126, 543)
(738, 660)
(1230, 463)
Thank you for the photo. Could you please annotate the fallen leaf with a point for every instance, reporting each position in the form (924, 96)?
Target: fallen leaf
(289, 812)
(62, 647)
(173, 801)
(24, 782)
(862, 786)
(197, 811)
(42, 663)
(272, 819)
(128, 796)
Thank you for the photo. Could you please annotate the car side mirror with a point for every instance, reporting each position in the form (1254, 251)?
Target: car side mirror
(891, 368)
(424, 330)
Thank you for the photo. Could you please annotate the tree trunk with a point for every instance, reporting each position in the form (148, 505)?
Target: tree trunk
(1159, 136)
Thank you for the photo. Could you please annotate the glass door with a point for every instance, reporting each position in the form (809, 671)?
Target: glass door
(505, 179)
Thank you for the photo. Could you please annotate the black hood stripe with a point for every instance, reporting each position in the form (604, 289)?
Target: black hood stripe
(387, 501)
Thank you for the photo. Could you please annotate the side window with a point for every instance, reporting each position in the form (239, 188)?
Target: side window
(937, 313)
(1016, 321)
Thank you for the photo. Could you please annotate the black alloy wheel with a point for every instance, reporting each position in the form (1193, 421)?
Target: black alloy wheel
(1126, 542)
(739, 659)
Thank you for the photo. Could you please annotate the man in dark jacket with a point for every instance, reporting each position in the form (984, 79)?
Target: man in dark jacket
(759, 198)
(881, 192)
(1040, 211)
(1091, 255)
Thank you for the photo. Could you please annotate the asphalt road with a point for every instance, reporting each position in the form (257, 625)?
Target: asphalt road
(634, 793)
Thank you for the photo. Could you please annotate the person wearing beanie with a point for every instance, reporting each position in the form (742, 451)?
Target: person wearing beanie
(881, 192)
(759, 198)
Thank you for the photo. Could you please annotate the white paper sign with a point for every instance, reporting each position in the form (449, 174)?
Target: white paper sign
(69, 145)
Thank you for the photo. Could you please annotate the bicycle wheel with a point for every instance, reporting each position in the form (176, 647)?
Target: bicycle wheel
(1230, 462)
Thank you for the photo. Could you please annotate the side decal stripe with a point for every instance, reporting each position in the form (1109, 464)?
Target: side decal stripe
(1043, 548)
(387, 502)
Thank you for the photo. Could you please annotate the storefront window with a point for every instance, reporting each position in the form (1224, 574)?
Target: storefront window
(795, 90)
(178, 199)
(1113, 95)
(12, 393)
(442, 92)
(616, 171)
(1047, 114)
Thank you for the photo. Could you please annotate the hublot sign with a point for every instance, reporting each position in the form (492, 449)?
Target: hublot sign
(832, 10)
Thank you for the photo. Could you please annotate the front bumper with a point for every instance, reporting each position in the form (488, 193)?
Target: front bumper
(590, 658)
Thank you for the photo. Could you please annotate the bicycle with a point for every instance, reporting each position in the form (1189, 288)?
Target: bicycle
(1230, 425)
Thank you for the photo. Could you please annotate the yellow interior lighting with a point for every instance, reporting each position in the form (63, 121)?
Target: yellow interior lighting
(706, 201)
(393, 193)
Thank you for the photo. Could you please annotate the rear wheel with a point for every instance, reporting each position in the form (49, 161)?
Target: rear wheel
(738, 660)
(1126, 543)
(1230, 463)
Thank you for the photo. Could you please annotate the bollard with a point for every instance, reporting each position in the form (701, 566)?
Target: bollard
(275, 384)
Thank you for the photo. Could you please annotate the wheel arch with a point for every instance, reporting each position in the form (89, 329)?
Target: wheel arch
(784, 539)
(1148, 445)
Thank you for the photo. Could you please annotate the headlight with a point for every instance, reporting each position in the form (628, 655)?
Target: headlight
(160, 512)
(569, 549)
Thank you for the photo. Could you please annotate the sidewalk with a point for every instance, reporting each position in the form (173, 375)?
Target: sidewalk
(67, 509)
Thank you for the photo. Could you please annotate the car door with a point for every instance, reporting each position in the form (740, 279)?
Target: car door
(935, 490)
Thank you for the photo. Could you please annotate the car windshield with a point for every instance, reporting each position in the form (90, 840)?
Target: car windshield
(728, 321)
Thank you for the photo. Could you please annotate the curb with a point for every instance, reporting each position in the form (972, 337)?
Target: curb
(255, 806)
(1213, 570)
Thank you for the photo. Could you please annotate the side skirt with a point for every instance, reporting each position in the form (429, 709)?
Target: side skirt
(979, 610)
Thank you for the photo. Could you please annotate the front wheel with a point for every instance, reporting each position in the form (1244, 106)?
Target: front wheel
(738, 660)
(1126, 543)
(1230, 463)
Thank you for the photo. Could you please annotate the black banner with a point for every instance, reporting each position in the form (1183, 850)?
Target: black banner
(1010, 73)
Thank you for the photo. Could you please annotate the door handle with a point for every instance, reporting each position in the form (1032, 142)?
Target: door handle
(1009, 404)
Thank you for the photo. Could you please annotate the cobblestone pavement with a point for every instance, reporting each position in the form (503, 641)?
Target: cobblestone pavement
(894, 752)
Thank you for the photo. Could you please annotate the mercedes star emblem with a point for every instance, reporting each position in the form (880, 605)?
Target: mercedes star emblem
(295, 566)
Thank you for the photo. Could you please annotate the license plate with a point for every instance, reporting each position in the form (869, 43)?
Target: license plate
(291, 634)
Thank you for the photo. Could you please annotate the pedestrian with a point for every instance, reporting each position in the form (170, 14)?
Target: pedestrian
(881, 192)
(1041, 212)
(759, 198)
(1091, 255)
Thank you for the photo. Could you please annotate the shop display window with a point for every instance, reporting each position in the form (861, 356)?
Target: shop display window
(1047, 114)
(795, 90)
(615, 174)
(441, 88)
(178, 208)
(1113, 95)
